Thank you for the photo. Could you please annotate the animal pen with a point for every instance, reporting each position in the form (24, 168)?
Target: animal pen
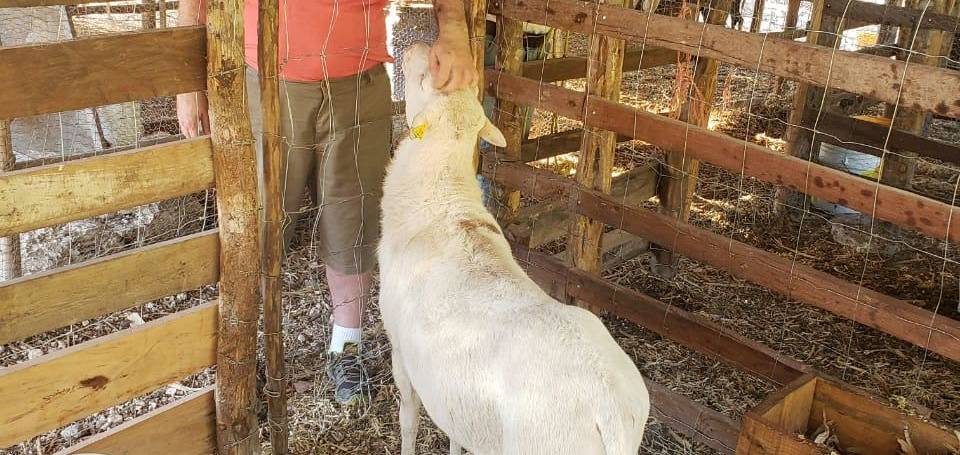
(712, 225)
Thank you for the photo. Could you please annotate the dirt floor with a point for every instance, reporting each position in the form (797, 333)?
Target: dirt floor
(909, 266)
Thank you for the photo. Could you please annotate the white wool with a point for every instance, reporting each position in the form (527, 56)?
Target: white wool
(500, 366)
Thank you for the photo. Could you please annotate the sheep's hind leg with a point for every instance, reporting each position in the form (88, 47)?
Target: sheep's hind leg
(409, 408)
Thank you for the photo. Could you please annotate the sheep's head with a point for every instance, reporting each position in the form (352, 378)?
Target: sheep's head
(427, 108)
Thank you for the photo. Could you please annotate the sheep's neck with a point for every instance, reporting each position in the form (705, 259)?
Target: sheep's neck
(443, 172)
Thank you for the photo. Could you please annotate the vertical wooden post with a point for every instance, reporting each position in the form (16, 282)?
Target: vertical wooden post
(679, 176)
(793, 14)
(757, 19)
(273, 245)
(235, 171)
(807, 102)
(476, 12)
(597, 146)
(10, 266)
(148, 18)
(510, 116)
(927, 45)
(163, 14)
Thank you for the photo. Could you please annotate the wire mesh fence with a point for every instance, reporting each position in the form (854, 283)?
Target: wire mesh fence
(749, 105)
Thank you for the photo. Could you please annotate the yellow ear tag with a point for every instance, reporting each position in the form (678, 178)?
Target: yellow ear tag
(418, 131)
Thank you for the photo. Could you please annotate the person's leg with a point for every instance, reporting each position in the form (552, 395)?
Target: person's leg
(354, 133)
(299, 104)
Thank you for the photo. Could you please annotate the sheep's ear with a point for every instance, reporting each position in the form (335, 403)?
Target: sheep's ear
(492, 135)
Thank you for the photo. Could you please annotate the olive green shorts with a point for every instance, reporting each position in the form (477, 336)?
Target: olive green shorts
(336, 143)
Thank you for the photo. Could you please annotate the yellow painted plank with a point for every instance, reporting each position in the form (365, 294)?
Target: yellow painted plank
(45, 301)
(45, 393)
(100, 70)
(58, 193)
(187, 427)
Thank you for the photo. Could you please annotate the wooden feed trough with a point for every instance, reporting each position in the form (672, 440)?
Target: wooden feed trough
(860, 424)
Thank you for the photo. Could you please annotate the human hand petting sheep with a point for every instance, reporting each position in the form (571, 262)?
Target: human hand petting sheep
(451, 63)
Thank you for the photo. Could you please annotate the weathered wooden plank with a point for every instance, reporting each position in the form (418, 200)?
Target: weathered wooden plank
(551, 145)
(679, 171)
(56, 389)
(38, 79)
(544, 226)
(83, 10)
(33, 3)
(510, 116)
(238, 208)
(58, 193)
(690, 330)
(913, 211)
(185, 427)
(272, 192)
(49, 300)
(851, 132)
(891, 15)
(564, 68)
(920, 88)
(595, 166)
(895, 317)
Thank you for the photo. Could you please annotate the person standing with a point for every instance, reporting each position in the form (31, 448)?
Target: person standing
(336, 122)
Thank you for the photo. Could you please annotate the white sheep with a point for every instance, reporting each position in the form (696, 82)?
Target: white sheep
(499, 365)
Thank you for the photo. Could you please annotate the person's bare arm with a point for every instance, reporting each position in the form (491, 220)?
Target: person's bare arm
(451, 63)
(192, 111)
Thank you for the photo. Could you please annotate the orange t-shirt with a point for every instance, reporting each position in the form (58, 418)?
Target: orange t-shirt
(322, 39)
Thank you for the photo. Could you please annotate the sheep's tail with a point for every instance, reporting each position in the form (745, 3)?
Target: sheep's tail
(621, 420)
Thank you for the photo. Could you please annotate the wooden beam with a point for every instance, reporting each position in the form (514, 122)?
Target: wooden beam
(185, 427)
(850, 132)
(679, 172)
(238, 205)
(510, 116)
(922, 214)
(57, 298)
(84, 10)
(694, 420)
(10, 265)
(925, 47)
(920, 88)
(56, 389)
(564, 68)
(541, 227)
(895, 317)
(35, 3)
(551, 145)
(272, 192)
(58, 193)
(891, 15)
(595, 166)
(669, 321)
(60, 159)
(44, 78)
(757, 18)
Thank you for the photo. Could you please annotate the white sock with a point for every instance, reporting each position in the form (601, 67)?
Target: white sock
(340, 336)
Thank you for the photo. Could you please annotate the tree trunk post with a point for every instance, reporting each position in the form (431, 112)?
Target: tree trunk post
(273, 246)
(597, 147)
(235, 172)
(679, 176)
(510, 116)
(899, 166)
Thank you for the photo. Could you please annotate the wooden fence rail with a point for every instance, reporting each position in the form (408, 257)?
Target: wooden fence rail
(913, 211)
(913, 86)
(43, 394)
(185, 427)
(895, 317)
(49, 300)
(58, 193)
(889, 14)
(121, 67)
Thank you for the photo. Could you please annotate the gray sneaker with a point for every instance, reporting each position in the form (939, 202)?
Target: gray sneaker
(350, 381)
